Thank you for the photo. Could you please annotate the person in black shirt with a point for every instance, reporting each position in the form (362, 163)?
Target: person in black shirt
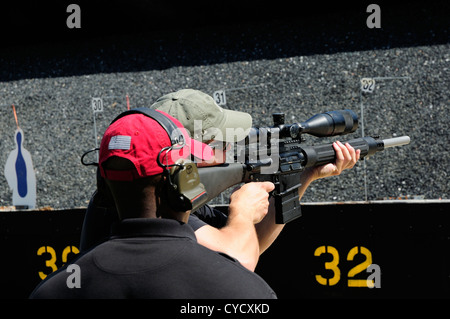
(152, 252)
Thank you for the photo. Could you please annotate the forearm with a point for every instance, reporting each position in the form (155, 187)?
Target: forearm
(305, 179)
(267, 229)
(237, 239)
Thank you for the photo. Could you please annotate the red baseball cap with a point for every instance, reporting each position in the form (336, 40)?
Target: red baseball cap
(140, 139)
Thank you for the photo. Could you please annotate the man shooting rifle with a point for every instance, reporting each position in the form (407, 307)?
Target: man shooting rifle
(212, 228)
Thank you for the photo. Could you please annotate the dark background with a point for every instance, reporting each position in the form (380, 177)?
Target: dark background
(115, 27)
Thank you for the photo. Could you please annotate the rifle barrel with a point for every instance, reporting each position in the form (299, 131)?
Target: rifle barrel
(396, 141)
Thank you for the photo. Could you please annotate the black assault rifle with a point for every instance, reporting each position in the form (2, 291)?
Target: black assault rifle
(276, 154)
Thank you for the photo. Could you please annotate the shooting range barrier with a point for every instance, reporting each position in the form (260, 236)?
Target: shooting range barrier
(401, 246)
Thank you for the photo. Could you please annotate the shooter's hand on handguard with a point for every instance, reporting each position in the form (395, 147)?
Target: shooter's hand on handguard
(346, 158)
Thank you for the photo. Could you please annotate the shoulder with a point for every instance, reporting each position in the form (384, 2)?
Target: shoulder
(60, 284)
(53, 286)
(214, 269)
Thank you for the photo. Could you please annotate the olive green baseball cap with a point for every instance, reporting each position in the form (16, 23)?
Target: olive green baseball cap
(205, 120)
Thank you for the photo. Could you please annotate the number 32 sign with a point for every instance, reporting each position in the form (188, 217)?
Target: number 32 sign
(373, 280)
(367, 85)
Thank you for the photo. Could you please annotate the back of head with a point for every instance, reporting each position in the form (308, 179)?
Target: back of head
(135, 154)
(135, 198)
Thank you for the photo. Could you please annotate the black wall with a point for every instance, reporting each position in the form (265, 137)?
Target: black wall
(409, 241)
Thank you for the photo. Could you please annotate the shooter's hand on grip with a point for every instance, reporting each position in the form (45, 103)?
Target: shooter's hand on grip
(252, 200)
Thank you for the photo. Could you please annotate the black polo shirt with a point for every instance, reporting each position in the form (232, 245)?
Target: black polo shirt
(155, 258)
(207, 215)
(98, 221)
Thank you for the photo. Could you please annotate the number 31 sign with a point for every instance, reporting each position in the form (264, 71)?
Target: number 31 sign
(219, 97)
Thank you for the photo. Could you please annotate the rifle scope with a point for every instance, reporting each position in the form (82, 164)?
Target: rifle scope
(320, 125)
(323, 124)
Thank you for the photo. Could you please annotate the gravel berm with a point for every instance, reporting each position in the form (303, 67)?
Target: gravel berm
(297, 65)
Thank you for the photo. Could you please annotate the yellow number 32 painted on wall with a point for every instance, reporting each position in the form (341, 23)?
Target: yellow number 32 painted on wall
(333, 266)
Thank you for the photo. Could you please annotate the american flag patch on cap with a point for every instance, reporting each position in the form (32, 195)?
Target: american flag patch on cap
(119, 142)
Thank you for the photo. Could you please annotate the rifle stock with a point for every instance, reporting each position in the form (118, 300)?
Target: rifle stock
(216, 179)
